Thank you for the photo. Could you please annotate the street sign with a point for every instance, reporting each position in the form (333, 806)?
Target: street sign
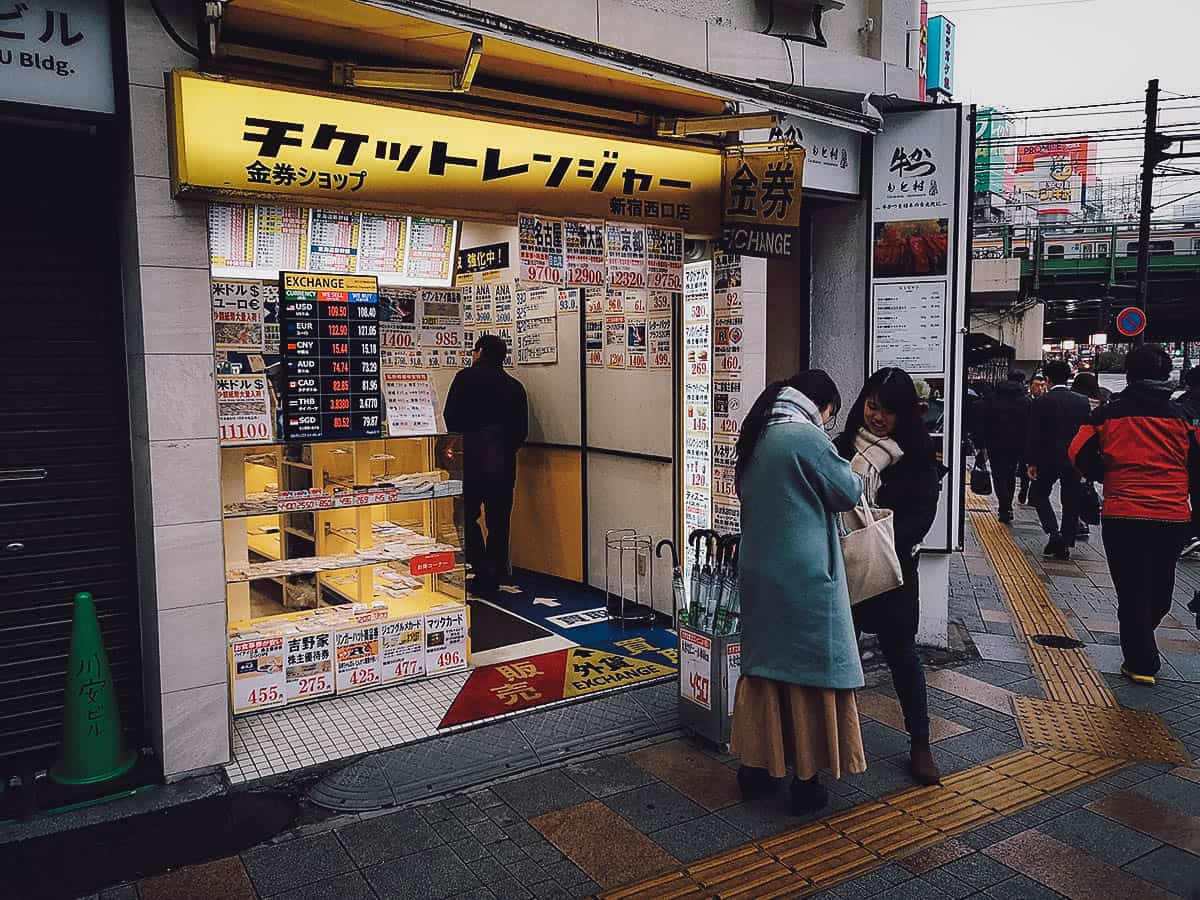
(1131, 321)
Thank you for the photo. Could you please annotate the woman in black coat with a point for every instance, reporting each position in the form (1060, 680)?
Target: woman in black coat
(887, 445)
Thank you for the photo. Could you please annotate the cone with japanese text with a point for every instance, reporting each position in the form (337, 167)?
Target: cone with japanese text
(93, 744)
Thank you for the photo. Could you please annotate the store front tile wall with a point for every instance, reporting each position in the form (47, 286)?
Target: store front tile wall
(173, 420)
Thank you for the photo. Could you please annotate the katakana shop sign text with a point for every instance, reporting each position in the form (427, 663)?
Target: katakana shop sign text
(761, 211)
(239, 140)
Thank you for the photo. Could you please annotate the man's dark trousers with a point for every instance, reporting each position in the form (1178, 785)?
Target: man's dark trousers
(1141, 559)
(1039, 494)
(1004, 477)
(489, 559)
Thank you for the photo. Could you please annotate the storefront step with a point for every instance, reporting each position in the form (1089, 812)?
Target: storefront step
(465, 758)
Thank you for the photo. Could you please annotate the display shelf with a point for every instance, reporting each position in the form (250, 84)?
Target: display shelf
(421, 601)
(311, 565)
(350, 589)
(268, 505)
(266, 545)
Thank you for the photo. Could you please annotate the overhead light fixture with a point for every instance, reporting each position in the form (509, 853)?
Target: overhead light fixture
(716, 124)
(391, 78)
(1099, 340)
(1068, 344)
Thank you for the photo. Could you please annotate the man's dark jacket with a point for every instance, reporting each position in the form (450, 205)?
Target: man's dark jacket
(489, 408)
(1003, 422)
(1054, 420)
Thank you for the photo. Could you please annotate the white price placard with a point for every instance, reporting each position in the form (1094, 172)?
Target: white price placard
(357, 658)
(446, 640)
(308, 665)
(257, 668)
(402, 650)
(695, 668)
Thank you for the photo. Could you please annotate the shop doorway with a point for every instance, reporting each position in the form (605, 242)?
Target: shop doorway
(66, 520)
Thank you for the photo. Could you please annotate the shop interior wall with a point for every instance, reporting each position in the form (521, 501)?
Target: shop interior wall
(547, 521)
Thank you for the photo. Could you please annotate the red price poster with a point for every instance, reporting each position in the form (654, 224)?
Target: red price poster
(357, 655)
(258, 679)
(309, 666)
(329, 328)
(593, 301)
(402, 653)
(540, 240)
(664, 258)
(625, 252)
(584, 252)
(244, 409)
(695, 668)
(445, 640)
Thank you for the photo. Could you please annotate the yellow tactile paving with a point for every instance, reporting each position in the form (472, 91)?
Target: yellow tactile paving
(1080, 734)
(1118, 733)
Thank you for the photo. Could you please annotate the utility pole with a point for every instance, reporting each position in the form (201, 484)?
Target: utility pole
(1150, 152)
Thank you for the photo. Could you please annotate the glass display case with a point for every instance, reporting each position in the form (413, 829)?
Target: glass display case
(344, 566)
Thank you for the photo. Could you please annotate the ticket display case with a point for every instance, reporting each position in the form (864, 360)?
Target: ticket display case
(344, 566)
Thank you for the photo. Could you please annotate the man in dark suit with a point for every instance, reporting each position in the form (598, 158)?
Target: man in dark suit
(1054, 420)
(1002, 427)
(488, 407)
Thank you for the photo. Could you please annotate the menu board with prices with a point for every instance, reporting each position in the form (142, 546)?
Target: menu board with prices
(330, 351)
(909, 326)
(381, 243)
(231, 235)
(584, 252)
(402, 650)
(445, 640)
(333, 241)
(540, 241)
(664, 258)
(280, 237)
(309, 666)
(257, 671)
(430, 250)
(244, 410)
(357, 657)
(410, 406)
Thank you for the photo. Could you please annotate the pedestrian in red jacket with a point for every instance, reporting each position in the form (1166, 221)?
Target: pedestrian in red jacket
(1140, 445)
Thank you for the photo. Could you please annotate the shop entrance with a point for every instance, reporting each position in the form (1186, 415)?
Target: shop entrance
(66, 521)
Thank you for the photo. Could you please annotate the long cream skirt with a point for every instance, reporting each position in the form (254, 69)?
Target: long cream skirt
(777, 725)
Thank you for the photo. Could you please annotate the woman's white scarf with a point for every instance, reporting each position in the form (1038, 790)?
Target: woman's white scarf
(872, 455)
(793, 406)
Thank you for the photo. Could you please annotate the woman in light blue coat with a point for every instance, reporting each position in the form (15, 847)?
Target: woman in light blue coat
(795, 705)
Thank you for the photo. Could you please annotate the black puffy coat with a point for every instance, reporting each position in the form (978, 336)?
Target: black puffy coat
(910, 489)
(1003, 419)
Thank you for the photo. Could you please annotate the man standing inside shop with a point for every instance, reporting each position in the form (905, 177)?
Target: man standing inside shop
(488, 407)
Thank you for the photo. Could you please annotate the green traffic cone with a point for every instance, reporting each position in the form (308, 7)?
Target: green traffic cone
(93, 744)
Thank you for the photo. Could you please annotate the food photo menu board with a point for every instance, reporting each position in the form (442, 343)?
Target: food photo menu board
(329, 344)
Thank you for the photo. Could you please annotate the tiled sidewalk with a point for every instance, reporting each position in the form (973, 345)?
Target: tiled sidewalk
(599, 823)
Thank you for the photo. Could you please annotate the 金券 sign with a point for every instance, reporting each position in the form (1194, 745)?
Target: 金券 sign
(761, 208)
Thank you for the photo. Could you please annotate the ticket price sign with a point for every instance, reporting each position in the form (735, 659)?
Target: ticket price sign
(357, 655)
(258, 676)
(402, 654)
(329, 343)
(445, 640)
(309, 666)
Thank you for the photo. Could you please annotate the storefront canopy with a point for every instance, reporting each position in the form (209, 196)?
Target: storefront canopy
(433, 33)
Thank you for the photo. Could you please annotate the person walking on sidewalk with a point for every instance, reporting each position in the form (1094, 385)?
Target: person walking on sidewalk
(889, 447)
(795, 704)
(1190, 402)
(1053, 421)
(1003, 425)
(1086, 384)
(488, 407)
(1140, 446)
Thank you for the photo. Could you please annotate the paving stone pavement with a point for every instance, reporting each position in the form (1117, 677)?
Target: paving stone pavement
(622, 815)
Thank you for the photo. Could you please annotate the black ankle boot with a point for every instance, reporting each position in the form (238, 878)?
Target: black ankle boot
(808, 796)
(754, 783)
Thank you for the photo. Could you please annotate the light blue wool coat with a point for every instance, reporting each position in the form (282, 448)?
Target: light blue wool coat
(796, 624)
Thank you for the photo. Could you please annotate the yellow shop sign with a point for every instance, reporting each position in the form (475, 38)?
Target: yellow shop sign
(251, 142)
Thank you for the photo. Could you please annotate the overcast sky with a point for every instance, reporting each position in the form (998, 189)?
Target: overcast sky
(1027, 54)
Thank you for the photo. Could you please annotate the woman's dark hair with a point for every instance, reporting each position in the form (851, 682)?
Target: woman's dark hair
(814, 384)
(894, 390)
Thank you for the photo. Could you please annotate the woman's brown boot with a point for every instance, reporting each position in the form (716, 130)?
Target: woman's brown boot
(921, 764)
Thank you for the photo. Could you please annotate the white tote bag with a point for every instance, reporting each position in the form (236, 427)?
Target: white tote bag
(869, 551)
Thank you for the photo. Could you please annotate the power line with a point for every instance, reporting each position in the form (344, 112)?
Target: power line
(1008, 7)
(1137, 103)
